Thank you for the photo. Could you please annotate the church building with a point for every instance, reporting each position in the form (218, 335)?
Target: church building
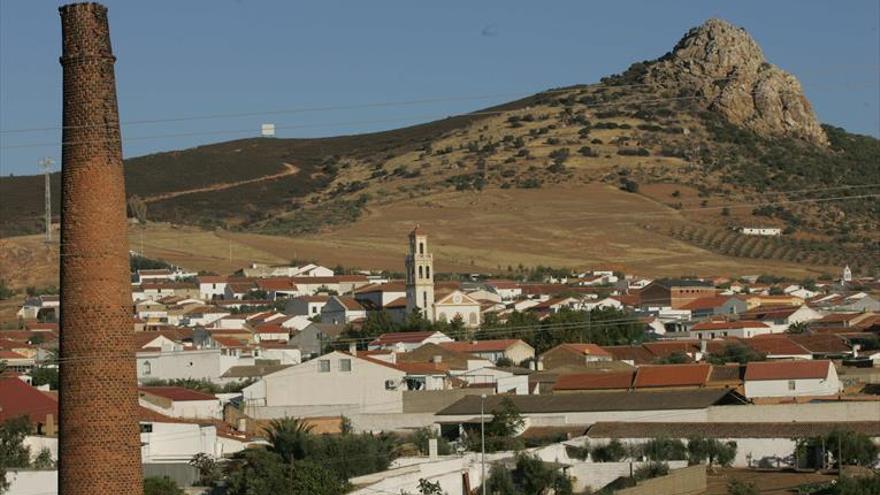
(446, 305)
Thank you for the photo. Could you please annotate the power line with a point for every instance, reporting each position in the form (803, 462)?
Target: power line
(381, 104)
(362, 122)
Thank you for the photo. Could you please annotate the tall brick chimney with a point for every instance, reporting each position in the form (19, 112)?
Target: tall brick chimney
(99, 435)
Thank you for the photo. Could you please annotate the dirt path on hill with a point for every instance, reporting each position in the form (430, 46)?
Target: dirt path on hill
(289, 169)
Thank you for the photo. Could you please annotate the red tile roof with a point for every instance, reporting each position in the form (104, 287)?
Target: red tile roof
(400, 302)
(349, 303)
(787, 370)
(669, 347)
(821, 343)
(728, 325)
(401, 337)
(269, 284)
(707, 302)
(769, 312)
(11, 355)
(17, 398)
(176, 393)
(422, 368)
(775, 344)
(212, 279)
(672, 375)
(270, 328)
(498, 345)
(595, 381)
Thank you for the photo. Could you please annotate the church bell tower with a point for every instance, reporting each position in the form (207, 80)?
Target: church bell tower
(419, 275)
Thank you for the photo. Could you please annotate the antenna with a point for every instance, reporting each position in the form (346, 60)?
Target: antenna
(46, 165)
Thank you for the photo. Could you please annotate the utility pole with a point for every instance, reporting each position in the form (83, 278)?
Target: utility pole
(483, 441)
(46, 165)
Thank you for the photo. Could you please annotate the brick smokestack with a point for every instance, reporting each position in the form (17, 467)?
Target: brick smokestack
(99, 435)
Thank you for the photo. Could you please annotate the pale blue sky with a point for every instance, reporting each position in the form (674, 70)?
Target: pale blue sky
(190, 58)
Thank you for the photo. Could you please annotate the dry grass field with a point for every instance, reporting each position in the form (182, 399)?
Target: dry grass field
(576, 226)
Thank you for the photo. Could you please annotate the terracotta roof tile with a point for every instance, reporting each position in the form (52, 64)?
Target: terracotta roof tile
(594, 381)
(17, 398)
(787, 370)
(672, 375)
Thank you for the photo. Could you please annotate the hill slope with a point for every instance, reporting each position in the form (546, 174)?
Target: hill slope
(711, 130)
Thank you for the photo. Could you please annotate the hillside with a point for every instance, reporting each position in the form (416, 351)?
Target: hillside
(711, 133)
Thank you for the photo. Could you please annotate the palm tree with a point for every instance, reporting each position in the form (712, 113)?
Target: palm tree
(289, 437)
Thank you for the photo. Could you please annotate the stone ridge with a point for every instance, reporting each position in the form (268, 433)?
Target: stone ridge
(722, 63)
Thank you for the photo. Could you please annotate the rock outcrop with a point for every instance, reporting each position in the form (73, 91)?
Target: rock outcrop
(723, 64)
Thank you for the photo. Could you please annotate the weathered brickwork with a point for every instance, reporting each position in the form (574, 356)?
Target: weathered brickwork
(99, 436)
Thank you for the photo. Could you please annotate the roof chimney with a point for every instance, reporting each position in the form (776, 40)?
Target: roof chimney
(704, 346)
(352, 348)
(437, 359)
(540, 364)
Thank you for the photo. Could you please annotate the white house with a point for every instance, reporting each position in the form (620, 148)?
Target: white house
(709, 330)
(212, 287)
(195, 363)
(791, 379)
(508, 290)
(179, 402)
(308, 306)
(767, 231)
(407, 341)
(330, 385)
(342, 310)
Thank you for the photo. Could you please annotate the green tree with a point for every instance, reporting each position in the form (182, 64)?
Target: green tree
(13, 452)
(735, 353)
(506, 420)
(852, 447)
(312, 478)
(711, 450)
(613, 451)
(797, 328)
(665, 449)
(44, 460)
(45, 375)
(258, 471)
(531, 476)
(209, 471)
(289, 438)
(155, 485)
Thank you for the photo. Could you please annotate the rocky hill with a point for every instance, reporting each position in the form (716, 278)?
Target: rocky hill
(711, 131)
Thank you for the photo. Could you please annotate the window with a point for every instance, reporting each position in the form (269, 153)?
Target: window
(792, 385)
(427, 272)
(323, 366)
(421, 248)
(147, 368)
(420, 273)
(472, 318)
(146, 427)
(345, 365)
(314, 309)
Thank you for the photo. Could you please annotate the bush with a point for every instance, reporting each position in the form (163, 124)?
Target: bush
(737, 487)
(154, 485)
(711, 451)
(579, 452)
(613, 451)
(651, 470)
(665, 449)
(629, 185)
